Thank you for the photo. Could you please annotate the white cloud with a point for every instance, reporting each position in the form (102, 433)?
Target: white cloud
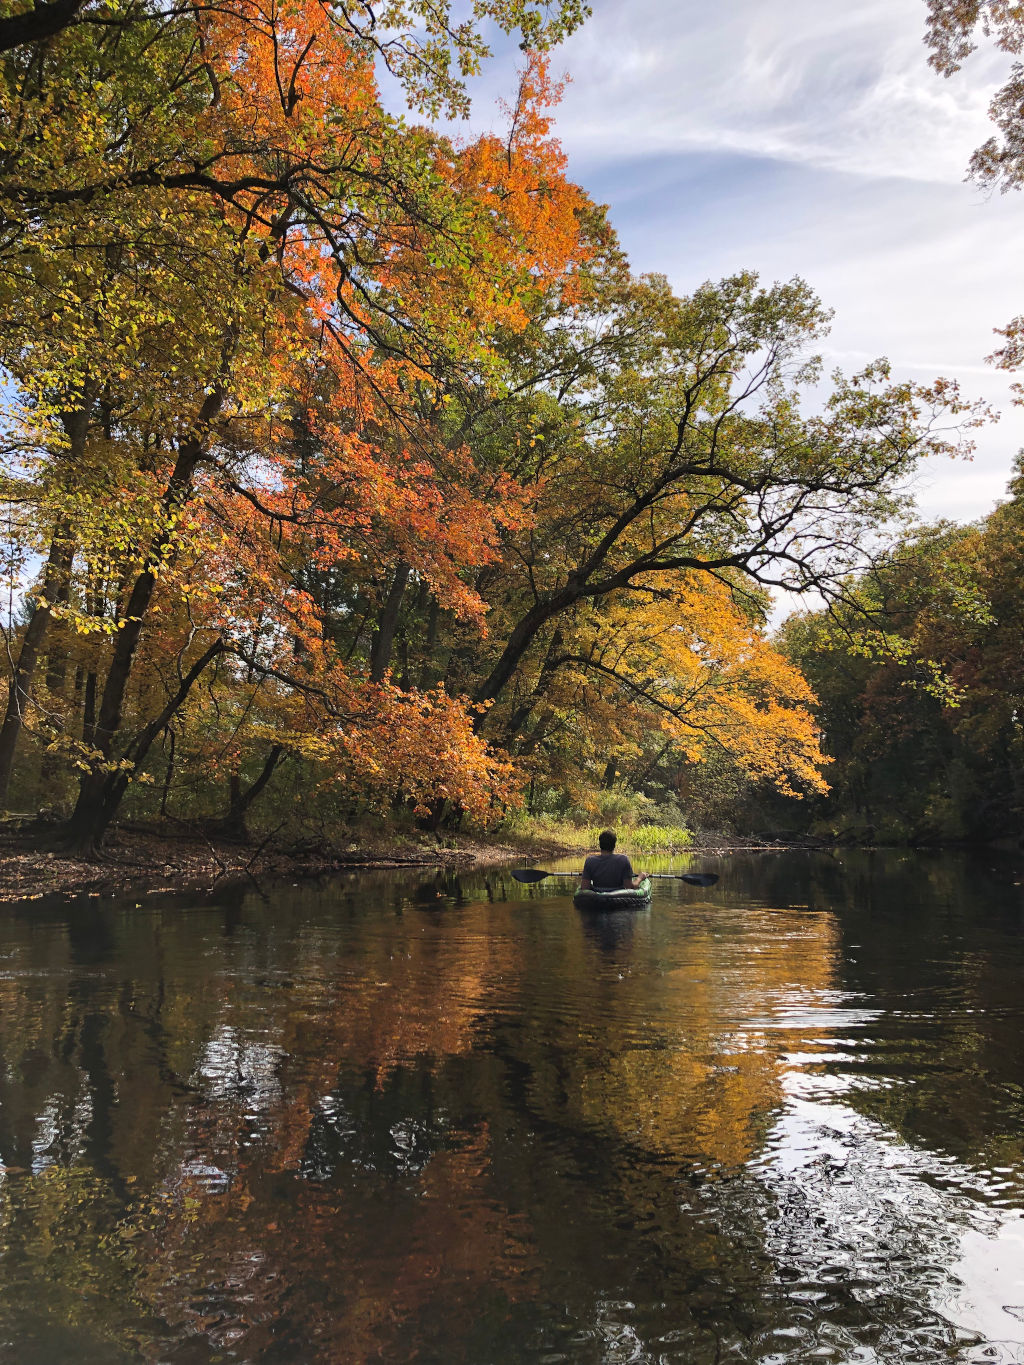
(840, 86)
(921, 273)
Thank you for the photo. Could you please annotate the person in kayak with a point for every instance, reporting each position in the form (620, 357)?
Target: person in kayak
(608, 870)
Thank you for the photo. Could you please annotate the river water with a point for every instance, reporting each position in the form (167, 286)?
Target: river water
(406, 1117)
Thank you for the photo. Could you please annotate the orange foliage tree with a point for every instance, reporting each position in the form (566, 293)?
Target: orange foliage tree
(274, 234)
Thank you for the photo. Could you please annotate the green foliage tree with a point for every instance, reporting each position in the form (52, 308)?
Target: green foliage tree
(955, 29)
(919, 692)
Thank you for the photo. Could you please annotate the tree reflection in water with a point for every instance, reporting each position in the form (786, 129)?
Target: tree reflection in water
(356, 1123)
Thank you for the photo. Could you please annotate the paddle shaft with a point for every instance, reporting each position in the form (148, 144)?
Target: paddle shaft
(533, 874)
(676, 876)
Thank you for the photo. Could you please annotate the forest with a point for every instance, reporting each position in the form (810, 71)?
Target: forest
(350, 473)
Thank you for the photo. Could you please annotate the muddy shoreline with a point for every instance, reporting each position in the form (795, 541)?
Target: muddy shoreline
(149, 861)
(145, 860)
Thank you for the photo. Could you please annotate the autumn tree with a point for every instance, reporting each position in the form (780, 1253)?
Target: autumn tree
(294, 228)
(673, 478)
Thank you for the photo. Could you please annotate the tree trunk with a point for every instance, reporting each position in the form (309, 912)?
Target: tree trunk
(428, 673)
(241, 802)
(56, 680)
(89, 710)
(520, 641)
(36, 24)
(55, 588)
(168, 773)
(384, 635)
(101, 791)
(519, 717)
(58, 566)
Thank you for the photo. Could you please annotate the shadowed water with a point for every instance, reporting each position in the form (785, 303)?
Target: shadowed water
(405, 1117)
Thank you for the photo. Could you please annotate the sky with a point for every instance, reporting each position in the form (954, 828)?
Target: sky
(811, 138)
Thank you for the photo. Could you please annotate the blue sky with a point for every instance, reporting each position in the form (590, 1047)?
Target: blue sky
(808, 137)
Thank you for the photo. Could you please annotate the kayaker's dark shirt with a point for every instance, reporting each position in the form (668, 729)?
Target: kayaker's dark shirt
(608, 871)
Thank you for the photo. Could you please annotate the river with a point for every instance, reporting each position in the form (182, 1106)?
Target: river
(408, 1117)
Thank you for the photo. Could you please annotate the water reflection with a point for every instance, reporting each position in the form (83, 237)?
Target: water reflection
(610, 930)
(449, 1118)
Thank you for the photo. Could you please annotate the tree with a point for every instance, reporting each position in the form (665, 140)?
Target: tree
(672, 666)
(667, 477)
(417, 40)
(919, 691)
(953, 32)
(342, 243)
(665, 448)
(697, 459)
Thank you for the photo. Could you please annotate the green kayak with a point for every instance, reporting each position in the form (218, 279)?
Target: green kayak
(629, 898)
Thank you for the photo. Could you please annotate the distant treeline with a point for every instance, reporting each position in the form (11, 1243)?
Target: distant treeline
(921, 694)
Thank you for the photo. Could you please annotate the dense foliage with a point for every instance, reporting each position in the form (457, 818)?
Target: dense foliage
(347, 457)
(921, 692)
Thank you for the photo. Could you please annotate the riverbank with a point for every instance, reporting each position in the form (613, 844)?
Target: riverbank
(145, 860)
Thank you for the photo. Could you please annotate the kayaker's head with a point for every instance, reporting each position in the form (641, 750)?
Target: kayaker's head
(606, 841)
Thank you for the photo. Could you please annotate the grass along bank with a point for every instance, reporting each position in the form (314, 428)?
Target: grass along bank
(648, 839)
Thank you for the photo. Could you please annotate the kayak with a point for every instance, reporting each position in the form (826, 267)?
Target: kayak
(628, 898)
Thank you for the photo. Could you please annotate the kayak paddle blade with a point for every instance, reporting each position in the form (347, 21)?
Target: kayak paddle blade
(529, 874)
(699, 878)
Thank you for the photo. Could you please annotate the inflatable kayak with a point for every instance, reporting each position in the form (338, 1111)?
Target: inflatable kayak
(628, 898)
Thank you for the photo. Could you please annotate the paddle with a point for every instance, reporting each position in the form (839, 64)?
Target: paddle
(533, 874)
